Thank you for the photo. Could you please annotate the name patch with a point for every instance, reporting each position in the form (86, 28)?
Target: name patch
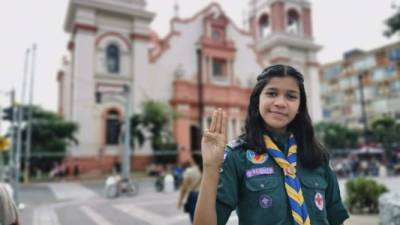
(259, 171)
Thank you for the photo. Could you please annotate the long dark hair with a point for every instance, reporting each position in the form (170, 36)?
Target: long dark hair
(310, 152)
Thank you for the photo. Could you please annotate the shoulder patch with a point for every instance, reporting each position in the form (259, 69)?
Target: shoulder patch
(235, 143)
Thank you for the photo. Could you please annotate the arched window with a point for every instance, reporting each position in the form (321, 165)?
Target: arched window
(112, 55)
(293, 22)
(264, 26)
(112, 127)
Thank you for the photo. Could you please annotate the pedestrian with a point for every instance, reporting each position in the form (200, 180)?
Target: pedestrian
(276, 173)
(76, 171)
(8, 210)
(190, 185)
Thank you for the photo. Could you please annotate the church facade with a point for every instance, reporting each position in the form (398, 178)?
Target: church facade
(204, 62)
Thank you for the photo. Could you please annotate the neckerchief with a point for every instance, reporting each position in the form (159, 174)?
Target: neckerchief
(292, 183)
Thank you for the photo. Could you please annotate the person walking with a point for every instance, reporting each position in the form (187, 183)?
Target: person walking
(190, 185)
(276, 173)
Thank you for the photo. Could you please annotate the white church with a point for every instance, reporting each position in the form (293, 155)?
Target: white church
(204, 60)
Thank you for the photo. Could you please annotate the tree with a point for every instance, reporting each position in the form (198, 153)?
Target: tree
(51, 135)
(137, 135)
(157, 116)
(387, 132)
(393, 24)
(336, 136)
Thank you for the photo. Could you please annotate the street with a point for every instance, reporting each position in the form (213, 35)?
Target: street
(83, 203)
(66, 203)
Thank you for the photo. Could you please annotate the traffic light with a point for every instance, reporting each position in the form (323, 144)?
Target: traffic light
(8, 113)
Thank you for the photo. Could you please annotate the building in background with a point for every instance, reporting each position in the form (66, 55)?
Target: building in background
(376, 73)
(204, 62)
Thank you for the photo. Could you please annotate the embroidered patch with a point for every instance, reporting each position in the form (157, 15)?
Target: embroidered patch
(256, 158)
(265, 201)
(319, 201)
(259, 171)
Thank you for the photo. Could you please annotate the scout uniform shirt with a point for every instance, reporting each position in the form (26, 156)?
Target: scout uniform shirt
(254, 186)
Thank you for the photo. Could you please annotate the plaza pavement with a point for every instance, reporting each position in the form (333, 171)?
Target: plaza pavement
(67, 203)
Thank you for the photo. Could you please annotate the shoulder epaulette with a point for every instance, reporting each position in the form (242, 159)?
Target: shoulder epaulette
(235, 143)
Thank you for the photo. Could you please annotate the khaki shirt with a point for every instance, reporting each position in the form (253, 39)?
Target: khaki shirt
(193, 173)
(257, 192)
(8, 211)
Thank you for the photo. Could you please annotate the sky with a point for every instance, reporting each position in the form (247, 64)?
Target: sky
(338, 26)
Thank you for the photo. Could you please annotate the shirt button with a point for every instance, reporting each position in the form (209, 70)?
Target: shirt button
(262, 185)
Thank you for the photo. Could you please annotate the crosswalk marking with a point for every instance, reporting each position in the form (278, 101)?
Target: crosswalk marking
(141, 214)
(67, 191)
(137, 208)
(96, 217)
(45, 216)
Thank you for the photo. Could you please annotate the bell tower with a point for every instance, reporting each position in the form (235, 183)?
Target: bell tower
(282, 30)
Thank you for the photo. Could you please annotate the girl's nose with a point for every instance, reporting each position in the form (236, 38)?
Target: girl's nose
(280, 101)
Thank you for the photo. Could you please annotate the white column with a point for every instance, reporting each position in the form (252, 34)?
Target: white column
(83, 92)
(230, 129)
(314, 94)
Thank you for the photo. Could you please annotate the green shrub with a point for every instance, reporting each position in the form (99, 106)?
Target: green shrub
(363, 194)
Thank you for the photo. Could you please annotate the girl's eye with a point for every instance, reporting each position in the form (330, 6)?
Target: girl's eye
(292, 97)
(271, 94)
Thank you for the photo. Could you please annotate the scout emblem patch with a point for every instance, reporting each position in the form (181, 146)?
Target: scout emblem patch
(259, 171)
(256, 158)
(319, 201)
(265, 201)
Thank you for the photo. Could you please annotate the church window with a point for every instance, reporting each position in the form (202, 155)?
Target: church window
(216, 35)
(219, 68)
(112, 53)
(293, 22)
(264, 25)
(112, 127)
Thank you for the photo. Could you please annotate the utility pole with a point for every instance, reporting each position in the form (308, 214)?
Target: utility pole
(29, 124)
(19, 129)
(127, 148)
(11, 156)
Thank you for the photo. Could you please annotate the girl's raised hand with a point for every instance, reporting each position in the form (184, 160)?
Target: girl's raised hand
(214, 140)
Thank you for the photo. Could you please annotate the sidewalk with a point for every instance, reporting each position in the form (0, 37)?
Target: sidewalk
(363, 220)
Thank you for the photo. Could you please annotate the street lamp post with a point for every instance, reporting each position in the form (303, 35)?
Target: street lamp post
(127, 149)
(29, 115)
(200, 94)
(362, 102)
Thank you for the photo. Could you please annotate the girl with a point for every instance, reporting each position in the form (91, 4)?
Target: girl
(276, 173)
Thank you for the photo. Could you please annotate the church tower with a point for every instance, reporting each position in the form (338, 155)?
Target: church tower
(108, 47)
(282, 30)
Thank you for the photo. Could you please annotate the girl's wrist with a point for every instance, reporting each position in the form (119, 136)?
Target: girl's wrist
(211, 173)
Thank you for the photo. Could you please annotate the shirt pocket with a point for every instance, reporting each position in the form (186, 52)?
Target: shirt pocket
(262, 183)
(263, 198)
(314, 190)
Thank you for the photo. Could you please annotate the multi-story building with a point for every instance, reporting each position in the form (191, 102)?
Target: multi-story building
(204, 62)
(364, 82)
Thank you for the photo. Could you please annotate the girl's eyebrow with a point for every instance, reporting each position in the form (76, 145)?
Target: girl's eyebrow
(276, 89)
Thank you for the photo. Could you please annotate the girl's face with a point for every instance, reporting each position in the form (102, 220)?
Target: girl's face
(279, 103)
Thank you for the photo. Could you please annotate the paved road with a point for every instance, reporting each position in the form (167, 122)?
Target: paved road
(67, 203)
